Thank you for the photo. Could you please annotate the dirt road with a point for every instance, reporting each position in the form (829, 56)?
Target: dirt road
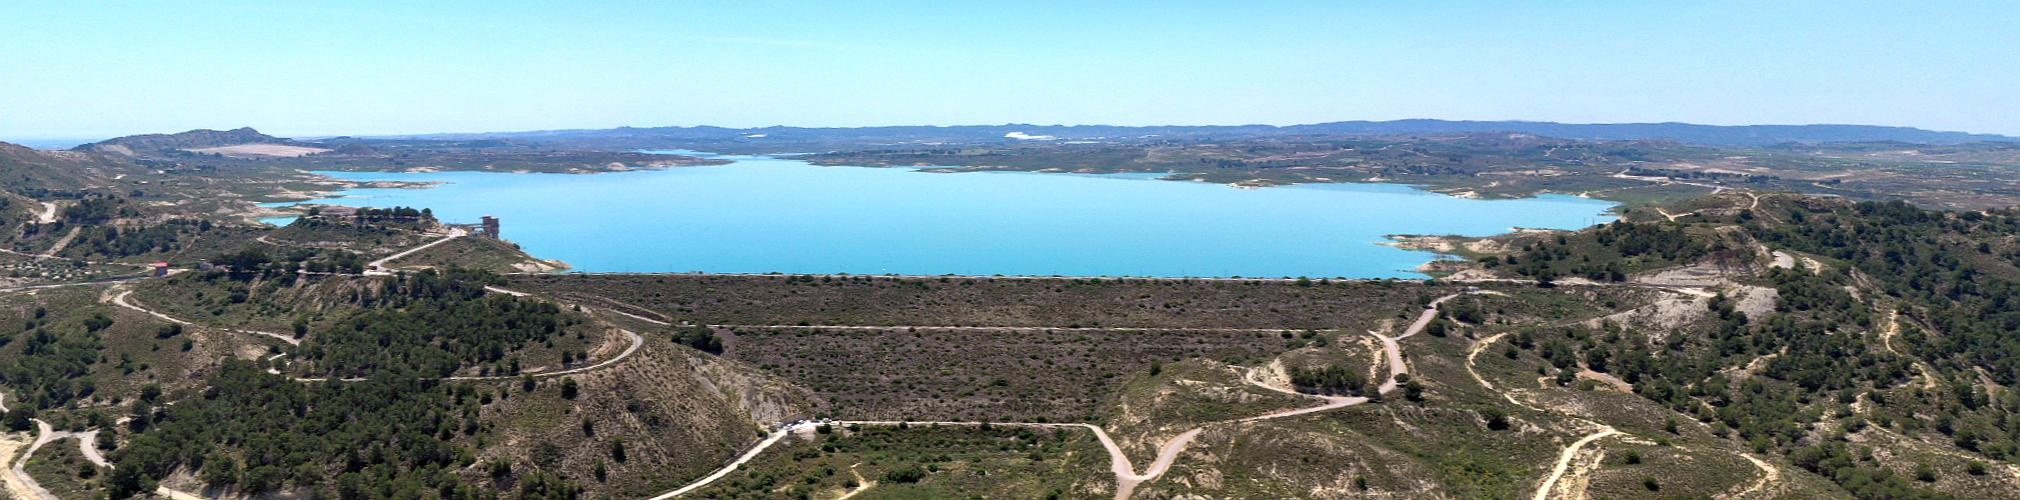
(122, 301)
(61, 243)
(1564, 460)
(1769, 475)
(636, 340)
(17, 483)
(1126, 476)
(378, 267)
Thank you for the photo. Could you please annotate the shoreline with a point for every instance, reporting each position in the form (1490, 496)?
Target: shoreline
(1429, 268)
(1315, 280)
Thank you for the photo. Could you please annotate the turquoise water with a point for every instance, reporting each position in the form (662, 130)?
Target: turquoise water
(762, 215)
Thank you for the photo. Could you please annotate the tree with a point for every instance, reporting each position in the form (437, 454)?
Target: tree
(1497, 419)
(220, 470)
(568, 389)
(125, 482)
(617, 449)
(18, 418)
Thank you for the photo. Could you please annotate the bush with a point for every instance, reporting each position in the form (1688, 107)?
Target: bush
(907, 474)
(1497, 419)
(1330, 380)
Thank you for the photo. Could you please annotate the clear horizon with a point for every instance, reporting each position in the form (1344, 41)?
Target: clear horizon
(86, 140)
(100, 70)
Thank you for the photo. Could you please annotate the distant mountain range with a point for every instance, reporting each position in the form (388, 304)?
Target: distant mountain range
(793, 138)
(1714, 135)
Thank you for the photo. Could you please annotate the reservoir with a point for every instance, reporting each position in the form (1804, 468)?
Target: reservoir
(762, 214)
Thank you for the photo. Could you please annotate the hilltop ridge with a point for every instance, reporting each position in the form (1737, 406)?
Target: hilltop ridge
(192, 140)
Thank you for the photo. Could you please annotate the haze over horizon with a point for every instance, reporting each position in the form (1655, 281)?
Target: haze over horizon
(111, 69)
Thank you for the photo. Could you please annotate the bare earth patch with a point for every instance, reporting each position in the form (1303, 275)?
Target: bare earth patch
(269, 150)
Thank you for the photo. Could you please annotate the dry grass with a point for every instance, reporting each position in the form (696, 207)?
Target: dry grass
(996, 375)
(1055, 303)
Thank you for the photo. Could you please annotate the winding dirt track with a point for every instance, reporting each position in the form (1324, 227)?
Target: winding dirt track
(122, 301)
(13, 478)
(18, 480)
(1564, 460)
(1887, 340)
(1565, 457)
(61, 243)
(1126, 477)
(23, 487)
(377, 267)
(999, 328)
(635, 339)
(1769, 473)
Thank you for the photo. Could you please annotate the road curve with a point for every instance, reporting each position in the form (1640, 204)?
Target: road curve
(1769, 475)
(122, 301)
(637, 341)
(769, 440)
(1564, 460)
(18, 473)
(377, 267)
(13, 479)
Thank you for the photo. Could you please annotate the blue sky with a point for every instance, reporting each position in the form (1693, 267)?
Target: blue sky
(97, 69)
